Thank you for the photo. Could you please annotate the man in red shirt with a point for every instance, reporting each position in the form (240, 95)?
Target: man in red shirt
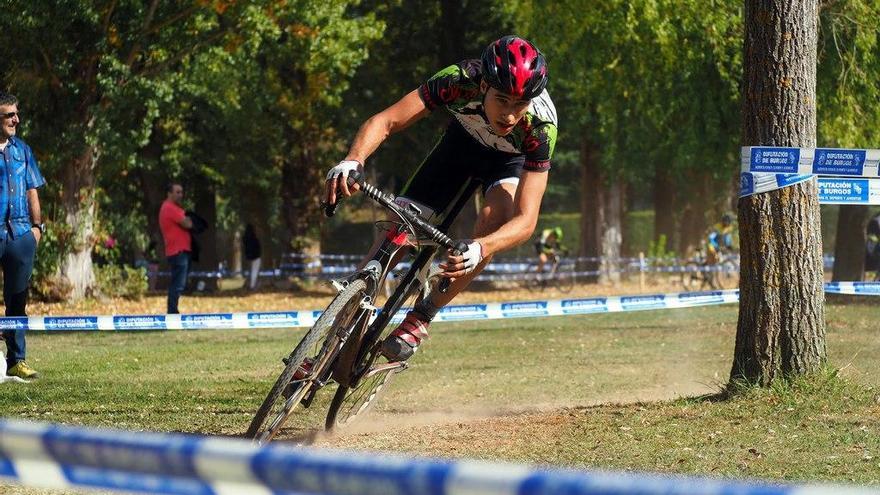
(175, 226)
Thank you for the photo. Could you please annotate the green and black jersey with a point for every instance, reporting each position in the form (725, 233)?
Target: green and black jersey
(457, 87)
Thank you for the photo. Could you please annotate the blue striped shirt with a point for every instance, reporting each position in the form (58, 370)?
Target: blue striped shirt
(20, 173)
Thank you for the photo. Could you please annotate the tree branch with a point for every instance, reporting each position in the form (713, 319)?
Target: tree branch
(136, 48)
(151, 70)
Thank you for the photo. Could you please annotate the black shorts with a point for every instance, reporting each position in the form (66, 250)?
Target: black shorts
(455, 162)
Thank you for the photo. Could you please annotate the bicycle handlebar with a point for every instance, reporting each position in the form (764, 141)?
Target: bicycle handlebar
(387, 200)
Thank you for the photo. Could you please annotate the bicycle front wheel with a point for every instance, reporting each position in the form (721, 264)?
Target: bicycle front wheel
(319, 346)
(727, 276)
(565, 280)
(351, 403)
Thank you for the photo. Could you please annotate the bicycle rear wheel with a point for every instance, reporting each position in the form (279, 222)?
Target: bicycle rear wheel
(320, 344)
(692, 278)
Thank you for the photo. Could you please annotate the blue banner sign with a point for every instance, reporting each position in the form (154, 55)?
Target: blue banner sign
(746, 184)
(643, 302)
(276, 319)
(840, 190)
(534, 308)
(139, 322)
(216, 320)
(13, 322)
(464, 312)
(71, 322)
(839, 161)
(590, 305)
(779, 160)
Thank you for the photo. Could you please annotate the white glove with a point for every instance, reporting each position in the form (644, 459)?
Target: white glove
(473, 256)
(344, 168)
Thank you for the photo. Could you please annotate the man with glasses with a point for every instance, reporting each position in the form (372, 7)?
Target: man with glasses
(22, 228)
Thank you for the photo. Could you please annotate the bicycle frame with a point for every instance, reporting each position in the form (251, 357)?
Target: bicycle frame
(378, 267)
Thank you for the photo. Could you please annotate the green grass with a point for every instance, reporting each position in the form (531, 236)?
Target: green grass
(594, 391)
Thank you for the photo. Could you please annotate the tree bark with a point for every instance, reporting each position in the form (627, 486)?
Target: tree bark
(694, 204)
(664, 213)
(301, 191)
(612, 233)
(849, 243)
(592, 211)
(79, 204)
(206, 207)
(781, 327)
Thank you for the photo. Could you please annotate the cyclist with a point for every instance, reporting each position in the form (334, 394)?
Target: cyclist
(719, 239)
(502, 136)
(549, 246)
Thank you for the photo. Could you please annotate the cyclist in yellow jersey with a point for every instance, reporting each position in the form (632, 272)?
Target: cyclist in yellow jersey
(548, 247)
(720, 239)
(502, 136)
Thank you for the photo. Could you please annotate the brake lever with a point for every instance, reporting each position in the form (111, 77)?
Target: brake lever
(458, 250)
(330, 209)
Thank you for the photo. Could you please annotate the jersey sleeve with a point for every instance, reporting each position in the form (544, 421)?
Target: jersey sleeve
(538, 148)
(450, 84)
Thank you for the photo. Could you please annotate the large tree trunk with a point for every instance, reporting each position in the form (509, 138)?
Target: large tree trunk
(78, 201)
(849, 243)
(695, 201)
(301, 191)
(781, 327)
(206, 207)
(664, 213)
(612, 233)
(592, 211)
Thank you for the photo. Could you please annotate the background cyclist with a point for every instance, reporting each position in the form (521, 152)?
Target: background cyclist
(502, 136)
(549, 246)
(719, 240)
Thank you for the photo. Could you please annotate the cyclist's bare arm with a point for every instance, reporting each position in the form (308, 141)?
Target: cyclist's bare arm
(375, 130)
(526, 206)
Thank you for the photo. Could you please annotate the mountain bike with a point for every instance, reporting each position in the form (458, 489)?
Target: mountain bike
(562, 276)
(702, 273)
(343, 346)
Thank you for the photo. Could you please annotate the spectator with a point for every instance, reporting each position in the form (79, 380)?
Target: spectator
(252, 252)
(872, 245)
(20, 206)
(175, 225)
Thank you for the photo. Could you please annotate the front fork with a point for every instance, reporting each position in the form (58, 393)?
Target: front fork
(343, 334)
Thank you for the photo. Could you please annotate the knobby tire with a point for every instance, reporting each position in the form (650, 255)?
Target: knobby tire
(346, 303)
(349, 403)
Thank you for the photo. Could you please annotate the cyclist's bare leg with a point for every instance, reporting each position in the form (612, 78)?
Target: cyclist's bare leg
(555, 263)
(405, 339)
(542, 260)
(496, 211)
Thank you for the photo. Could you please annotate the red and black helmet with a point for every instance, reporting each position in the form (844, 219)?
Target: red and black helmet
(514, 66)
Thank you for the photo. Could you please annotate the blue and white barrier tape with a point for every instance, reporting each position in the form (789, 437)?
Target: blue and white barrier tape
(811, 161)
(767, 168)
(847, 191)
(63, 457)
(855, 288)
(462, 312)
(832, 190)
(288, 319)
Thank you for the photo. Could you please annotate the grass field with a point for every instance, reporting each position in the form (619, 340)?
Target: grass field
(598, 391)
